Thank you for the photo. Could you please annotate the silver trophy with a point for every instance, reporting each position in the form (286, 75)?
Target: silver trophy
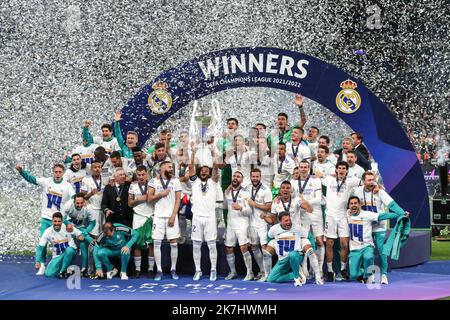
(204, 129)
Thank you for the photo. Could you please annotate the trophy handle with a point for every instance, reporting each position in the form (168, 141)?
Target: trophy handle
(193, 129)
(217, 118)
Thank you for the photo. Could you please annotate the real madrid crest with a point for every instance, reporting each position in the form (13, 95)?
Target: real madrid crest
(348, 99)
(160, 100)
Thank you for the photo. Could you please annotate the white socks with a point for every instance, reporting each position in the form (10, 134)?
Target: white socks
(197, 254)
(313, 261)
(137, 263)
(212, 254)
(248, 261)
(320, 253)
(173, 255)
(230, 260)
(330, 266)
(257, 254)
(343, 265)
(267, 262)
(157, 251)
(151, 263)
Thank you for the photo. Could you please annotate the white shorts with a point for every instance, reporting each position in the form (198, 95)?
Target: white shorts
(161, 229)
(336, 227)
(237, 234)
(304, 242)
(99, 218)
(258, 235)
(315, 226)
(204, 228)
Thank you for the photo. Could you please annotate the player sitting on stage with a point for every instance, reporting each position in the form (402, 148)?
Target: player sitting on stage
(77, 214)
(287, 243)
(63, 247)
(115, 241)
(361, 241)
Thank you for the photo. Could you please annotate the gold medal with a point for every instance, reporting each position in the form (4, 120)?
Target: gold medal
(118, 199)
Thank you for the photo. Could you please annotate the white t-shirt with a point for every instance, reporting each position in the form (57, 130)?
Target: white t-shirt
(204, 197)
(87, 185)
(238, 219)
(145, 208)
(110, 146)
(332, 158)
(108, 164)
(266, 168)
(286, 240)
(338, 194)
(153, 165)
(326, 167)
(80, 218)
(356, 171)
(361, 229)
(312, 192)
(241, 162)
(54, 195)
(262, 196)
(75, 178)
(313, 147)
(186, 187)
(293, 207)
(374, 202)
(132, 166)
(59, 240)
(86, 153)
(203, 155)
(302, 152)
(282, 170)
(164, 206)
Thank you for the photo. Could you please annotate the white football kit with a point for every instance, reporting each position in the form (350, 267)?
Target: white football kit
(238, 221)
(204, 197)
(258, 226)
(163, 209)
(374, 202)
(338, 192)
(94, 202)
(144, 210)
(54, 196)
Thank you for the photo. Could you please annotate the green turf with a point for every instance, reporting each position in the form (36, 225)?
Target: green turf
(440, 250)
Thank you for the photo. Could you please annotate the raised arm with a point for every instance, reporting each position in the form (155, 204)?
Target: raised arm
(86, 134)
(215, 171)
(26, 175)
(299, 102)
(117, 132)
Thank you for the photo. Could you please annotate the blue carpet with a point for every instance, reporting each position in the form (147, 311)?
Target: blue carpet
(18, 281)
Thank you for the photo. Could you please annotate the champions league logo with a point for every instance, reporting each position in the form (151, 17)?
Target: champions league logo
(160, 100)
(348, 99)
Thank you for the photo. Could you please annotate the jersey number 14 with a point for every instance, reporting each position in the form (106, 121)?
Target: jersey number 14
(356, 231)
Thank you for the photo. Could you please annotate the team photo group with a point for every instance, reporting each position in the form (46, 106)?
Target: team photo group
(283, 197)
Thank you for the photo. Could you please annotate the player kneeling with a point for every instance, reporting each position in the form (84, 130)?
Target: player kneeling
(63, 247)
(361, 241)
(291, 246)
(113, 243)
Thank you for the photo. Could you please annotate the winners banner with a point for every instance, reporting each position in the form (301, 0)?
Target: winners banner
(295, 72)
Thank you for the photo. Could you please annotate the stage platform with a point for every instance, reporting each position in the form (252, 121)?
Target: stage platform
(18, 281)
